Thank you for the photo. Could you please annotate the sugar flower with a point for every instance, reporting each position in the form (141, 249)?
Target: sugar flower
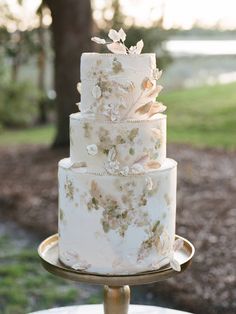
(117, 43)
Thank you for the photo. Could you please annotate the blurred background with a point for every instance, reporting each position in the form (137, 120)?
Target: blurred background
(40, 48)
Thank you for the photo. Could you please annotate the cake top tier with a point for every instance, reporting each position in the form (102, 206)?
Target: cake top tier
(122, 85)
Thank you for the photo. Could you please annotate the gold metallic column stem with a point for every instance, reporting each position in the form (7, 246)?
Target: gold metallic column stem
(116, 299)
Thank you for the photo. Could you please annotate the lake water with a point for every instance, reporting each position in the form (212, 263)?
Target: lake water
(199, 62)
(201, 47)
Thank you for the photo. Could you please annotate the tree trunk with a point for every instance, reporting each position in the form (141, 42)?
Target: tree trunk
(42, 110)
(71, 28)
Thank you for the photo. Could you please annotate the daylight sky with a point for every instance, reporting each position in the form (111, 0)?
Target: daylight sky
(177, 13)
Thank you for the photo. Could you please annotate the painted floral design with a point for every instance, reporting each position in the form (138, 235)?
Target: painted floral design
(154, 241)
(113, 218)
(62, 216)
(131, 212)
(87, 129)
(106, 86)
(124, 144)
(69, 189)
(120, 148)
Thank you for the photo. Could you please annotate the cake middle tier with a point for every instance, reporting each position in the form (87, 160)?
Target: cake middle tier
(123, 147)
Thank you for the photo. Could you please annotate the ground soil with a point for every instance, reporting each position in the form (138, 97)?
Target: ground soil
(206, 215)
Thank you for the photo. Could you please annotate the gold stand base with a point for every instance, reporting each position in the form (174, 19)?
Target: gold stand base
(116, 289)
(116, 299)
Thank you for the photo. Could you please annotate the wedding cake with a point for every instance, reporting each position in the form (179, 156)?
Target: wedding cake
(117, 191)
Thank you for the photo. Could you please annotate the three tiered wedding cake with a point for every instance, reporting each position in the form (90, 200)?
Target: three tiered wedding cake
(117, 191)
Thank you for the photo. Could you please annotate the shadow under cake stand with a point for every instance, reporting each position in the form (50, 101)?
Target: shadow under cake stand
(116, 287)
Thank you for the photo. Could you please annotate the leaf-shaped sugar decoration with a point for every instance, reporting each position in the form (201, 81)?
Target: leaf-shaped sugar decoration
(156, 132)
(155, 92)
(144, 109)
(114, 35)
(79, 87)
(96, 92)
(122, 34)
(117, 48)
(147, 83)
(153, 164)
(156, 107)
(178, 244)
(98, 40)
(142, 160)
(175, 264)
(157, 74)
(139, 47)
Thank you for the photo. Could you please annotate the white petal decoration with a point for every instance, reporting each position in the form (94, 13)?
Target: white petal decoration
(117, 45)
(157, 74)
(132, 49)
(175, 264)
(179, 243)
(117, 48)
(96, 92)
(79, 87)
(114, 35)
(114, 117)
(98, 40)
(112, 167)
(149, 183)
(112, 154)
(76, 266)
(137, 168)
(92, 149)
(139, 47)
(122, 34)
(124, 171)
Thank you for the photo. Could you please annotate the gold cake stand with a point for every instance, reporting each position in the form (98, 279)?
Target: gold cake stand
(116, 287)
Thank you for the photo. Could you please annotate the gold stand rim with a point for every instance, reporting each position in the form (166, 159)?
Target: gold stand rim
(48, 253)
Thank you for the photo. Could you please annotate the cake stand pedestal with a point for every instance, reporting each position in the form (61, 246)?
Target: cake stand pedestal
(116, 287)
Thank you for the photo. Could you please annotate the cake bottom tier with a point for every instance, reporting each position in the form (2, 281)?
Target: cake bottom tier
(116, 224)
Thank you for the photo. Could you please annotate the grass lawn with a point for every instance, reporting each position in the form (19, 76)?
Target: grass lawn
(25, 286)
(37, 135)
(203, 116)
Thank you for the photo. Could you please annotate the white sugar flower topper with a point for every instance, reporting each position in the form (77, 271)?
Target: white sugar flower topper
(117, 45)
